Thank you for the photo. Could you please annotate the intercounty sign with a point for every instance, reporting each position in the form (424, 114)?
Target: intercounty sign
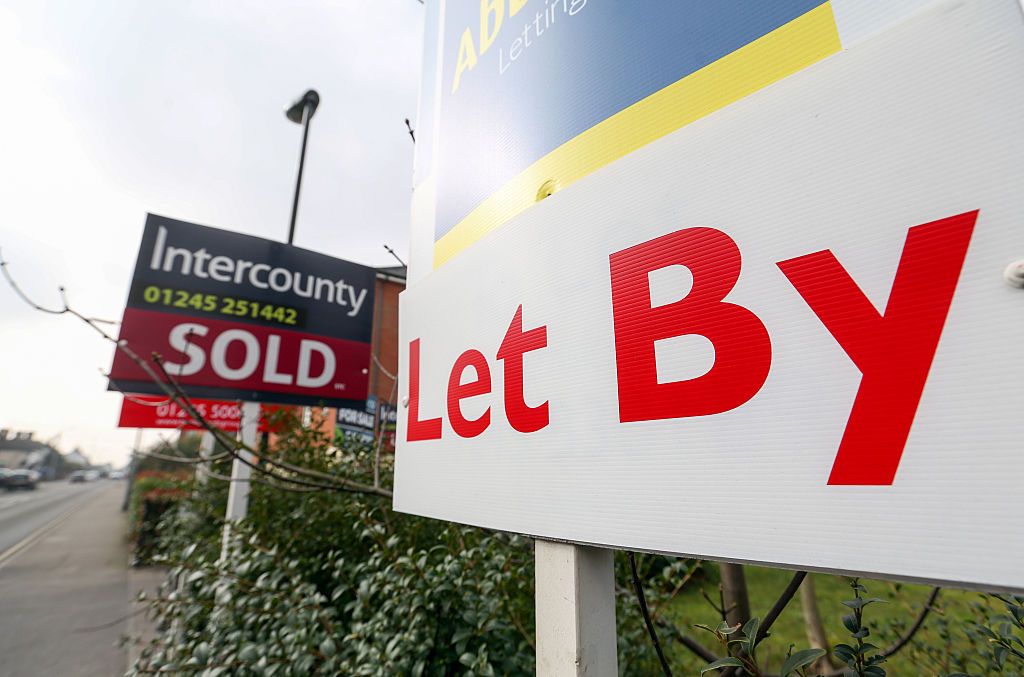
(762, 316)
(242, 318)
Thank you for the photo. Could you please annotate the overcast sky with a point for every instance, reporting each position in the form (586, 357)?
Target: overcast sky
(114, 108)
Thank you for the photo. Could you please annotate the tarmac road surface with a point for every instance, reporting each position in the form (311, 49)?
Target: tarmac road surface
(23, 512)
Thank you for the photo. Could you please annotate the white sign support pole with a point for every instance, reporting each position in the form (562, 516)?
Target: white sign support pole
(206, 447)
(575, 611)
(238, 491)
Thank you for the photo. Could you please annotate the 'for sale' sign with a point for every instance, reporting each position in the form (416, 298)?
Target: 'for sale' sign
(780, 333)
(243, 318)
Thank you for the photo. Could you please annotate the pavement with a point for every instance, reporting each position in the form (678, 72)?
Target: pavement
(67, 594)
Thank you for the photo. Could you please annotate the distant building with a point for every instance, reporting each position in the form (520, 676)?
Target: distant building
(384, 370)
(379, 413)
(22, 450)
(76, 457)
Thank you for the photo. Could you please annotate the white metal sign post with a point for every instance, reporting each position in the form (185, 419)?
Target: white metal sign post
(207, 444)
(575, 610)
(771, 270)
(238, 491)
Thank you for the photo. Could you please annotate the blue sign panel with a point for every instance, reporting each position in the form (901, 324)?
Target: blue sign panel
(522, 77)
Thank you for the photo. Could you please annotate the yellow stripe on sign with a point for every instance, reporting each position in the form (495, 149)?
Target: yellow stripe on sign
(786, 50)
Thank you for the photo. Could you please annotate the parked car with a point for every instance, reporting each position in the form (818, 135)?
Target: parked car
(117, 474)
(77, 476)
(19, 478)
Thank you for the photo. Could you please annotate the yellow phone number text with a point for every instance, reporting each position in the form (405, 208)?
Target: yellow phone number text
(224, 305)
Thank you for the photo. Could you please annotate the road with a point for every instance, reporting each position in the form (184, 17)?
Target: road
(66, 590)
(23, 512)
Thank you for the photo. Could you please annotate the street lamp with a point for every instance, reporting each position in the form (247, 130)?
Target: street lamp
(301, 112)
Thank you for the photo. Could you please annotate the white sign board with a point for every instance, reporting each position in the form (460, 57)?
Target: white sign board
(778, 334)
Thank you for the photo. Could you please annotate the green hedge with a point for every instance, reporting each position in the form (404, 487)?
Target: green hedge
(153, 494)
(336, 583)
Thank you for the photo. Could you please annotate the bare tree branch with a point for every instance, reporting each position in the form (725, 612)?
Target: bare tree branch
(907, 636)
(780, 604)
(918, 623)
(675, 590)
(380, 429)
(50, 311)
(131, 398)
(720, 609)
(258, 480)
(642, 601)
(773, 613)
(689, 642)
(179, 459)
(235, 446)
(684, 639)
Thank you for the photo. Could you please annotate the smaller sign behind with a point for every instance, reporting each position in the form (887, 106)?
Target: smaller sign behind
(141, 411)
(388, 418)
(377, 417)
(357, 421)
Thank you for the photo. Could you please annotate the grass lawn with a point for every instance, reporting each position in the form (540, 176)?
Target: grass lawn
(904, 601)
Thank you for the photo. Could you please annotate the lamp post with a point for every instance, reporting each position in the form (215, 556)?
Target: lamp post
(301, 112)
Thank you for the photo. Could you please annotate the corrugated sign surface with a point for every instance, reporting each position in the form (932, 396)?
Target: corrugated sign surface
(778, 332)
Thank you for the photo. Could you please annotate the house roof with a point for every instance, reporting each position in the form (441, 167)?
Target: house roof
(23, 452)
(392, 271)
(21, 444)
